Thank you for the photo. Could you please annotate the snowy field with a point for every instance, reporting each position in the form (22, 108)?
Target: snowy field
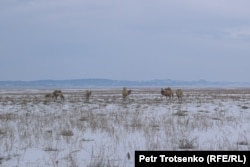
(106, 130)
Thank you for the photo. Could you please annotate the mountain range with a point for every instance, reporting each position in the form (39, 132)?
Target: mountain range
(82, 83)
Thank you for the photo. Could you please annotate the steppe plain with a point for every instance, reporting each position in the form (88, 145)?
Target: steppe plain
(106, 129)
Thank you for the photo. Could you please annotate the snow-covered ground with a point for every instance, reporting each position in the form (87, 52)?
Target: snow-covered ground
(106, 130)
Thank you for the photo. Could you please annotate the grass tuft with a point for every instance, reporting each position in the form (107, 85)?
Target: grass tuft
(187, 143)
(67, 133)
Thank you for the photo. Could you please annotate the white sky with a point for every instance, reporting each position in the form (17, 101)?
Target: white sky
(127, 40)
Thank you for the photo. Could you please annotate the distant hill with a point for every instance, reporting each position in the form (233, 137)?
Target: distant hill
(81, 83)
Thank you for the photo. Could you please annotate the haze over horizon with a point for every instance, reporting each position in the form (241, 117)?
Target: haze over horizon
(125, 40)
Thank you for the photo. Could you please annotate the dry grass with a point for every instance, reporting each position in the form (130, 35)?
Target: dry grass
(104, 129)
(66, 133)
(188, 143)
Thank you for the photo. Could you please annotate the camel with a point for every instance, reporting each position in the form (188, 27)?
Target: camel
(167, 92)
(179, 94)
(125, 92)
(49, 96)
(57, 93)
(88, 94)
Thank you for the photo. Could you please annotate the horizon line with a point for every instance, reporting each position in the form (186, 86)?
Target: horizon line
(198, 80)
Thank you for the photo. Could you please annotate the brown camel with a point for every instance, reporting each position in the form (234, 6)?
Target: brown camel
(49, 96)
(167, 92)
(57, 93)
(88, 94)
(179, 94)
(125, 93)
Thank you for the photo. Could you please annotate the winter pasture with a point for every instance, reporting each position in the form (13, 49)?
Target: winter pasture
(105, 130)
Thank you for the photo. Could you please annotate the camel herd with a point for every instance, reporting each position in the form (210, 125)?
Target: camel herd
(58, 93)
(54, 95)
(168, 92)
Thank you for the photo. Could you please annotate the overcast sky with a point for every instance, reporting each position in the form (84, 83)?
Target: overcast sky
(125, 39)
